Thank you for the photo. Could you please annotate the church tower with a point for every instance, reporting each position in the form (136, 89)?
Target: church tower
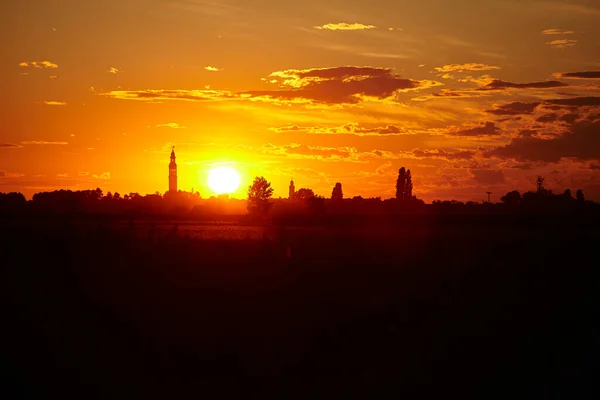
(292, 190)
(173, 173)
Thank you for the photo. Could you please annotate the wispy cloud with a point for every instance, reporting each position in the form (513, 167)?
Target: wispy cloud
(55, 103)
(465, 67)
(8, 146)
(578, 75)
(103, 176)
(556, 32)
(113, 70)
(562, 43)
(212, 69)
(347, 129)
(38, 64)
(173, 125)
(43, 142)
(343, 26)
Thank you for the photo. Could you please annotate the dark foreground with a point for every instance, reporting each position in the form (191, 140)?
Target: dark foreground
(464, 306)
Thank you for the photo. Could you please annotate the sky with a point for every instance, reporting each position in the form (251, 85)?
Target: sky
(472, 96)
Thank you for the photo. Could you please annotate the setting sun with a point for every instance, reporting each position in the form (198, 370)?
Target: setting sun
(223, 180)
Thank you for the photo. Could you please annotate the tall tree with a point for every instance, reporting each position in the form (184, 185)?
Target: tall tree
(304, 194)
(259, 194)
(337, 193)
(511, 198)
(404, 184)
(579, 195)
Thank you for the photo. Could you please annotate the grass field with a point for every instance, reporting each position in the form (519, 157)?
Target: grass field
(425, 306)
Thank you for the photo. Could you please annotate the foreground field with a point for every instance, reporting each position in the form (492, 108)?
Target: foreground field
(428, 306)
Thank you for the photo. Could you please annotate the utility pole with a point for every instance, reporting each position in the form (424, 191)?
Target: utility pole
(488, 193)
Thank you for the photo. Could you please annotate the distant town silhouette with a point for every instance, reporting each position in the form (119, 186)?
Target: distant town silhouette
(302, 201)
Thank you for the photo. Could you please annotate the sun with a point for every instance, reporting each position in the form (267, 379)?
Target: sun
(223, 180)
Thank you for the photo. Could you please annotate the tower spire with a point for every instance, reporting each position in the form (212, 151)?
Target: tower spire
(173, 172)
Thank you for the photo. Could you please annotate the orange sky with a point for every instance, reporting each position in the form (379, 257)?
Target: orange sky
(472, 96)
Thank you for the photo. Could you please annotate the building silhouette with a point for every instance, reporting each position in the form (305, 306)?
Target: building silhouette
(292, 192)
(173, 173)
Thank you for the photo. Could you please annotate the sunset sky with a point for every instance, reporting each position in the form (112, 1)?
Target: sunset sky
(471, 95)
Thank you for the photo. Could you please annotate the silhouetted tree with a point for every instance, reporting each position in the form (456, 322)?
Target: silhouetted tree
(579, 195)
(404, 185)
(567, 194)
(10, 201)
(337, 193)
(259, 194)
(304, 194)
(511, 198)
(540, 185)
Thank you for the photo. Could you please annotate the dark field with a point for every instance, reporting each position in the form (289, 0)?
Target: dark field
(420, 305)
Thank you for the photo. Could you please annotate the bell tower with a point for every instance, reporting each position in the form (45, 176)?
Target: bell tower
(173, 173)
(292, 193)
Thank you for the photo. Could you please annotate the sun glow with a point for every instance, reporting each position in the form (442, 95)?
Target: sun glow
(223, 180)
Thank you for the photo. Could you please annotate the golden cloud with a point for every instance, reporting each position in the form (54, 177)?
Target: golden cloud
(465, 67)
(556, 32)
(342, 26)
(43, 142)
(562, 43)
(55, 103)
(38, 64)
(212, 69)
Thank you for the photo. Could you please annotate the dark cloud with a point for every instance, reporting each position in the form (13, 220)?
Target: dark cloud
(515, 108)
(489, 128)
(347, 129)
(581, 75)
(8, 146)
(569, 118)
(337, 85)
(527, 133)
(581, 141)
(488, 176)
(497, 84)
(547, 118)
(445, 155)
(576, 101)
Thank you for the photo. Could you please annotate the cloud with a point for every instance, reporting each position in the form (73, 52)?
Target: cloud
(515, 108)
(212, 69)
(342, 26)
(487, 129)
(8, 146)
(580, 141)
(42, 142)
(159, 95)
(38, 64)
(347, 129)
(55, 103)
(443, 154)
(112, 70)
(562, 43)
(338, 84)
(578, 75)
(556, 32)
(173, 125)
(498, 84)
(465, 67)
(487, 176)
(576, 101)
(103, 176)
